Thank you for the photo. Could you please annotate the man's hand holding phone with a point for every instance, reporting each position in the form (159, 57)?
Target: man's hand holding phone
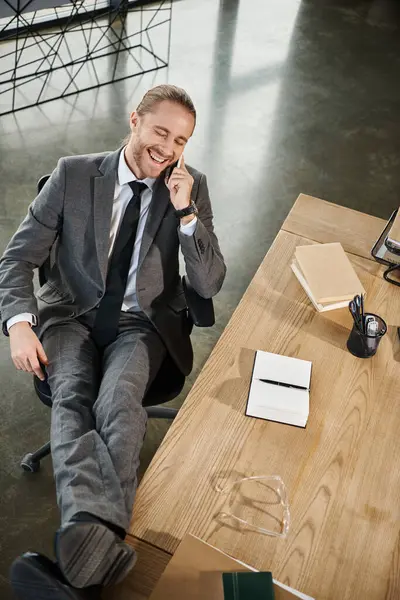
(26, 349)
(180, 185)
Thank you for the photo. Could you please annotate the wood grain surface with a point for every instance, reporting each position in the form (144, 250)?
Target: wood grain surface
(342, 472)
(141, 581)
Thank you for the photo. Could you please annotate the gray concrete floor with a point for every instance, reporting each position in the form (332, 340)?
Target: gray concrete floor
(293, 96)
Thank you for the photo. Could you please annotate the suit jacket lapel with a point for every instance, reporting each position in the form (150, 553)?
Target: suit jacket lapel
(103, 196)
(158, 207)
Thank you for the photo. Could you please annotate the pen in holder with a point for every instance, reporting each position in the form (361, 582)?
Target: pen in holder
(366, 334)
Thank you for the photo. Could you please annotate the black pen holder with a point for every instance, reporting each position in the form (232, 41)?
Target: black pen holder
(365, 345)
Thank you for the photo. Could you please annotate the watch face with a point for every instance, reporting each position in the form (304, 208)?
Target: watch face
(193, 208)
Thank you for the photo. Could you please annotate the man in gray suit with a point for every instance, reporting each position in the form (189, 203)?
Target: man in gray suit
(112, 309)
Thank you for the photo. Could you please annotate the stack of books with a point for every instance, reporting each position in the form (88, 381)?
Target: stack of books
(327, 275)
(198, 571)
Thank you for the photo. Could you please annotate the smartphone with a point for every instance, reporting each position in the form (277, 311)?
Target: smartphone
(392, 241)
(169, 170)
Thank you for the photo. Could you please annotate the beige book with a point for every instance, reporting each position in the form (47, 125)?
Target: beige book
(328, 272)
(195, 573)
(320, 307)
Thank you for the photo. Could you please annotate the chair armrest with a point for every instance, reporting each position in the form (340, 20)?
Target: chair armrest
(201, 310)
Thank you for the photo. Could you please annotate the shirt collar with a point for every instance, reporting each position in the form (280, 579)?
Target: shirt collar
(125, 175)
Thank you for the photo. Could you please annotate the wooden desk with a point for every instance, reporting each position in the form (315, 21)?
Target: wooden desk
(342, 472)
(142, 579)
(326, 222)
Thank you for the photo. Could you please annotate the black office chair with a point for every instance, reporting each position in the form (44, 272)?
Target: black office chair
(169, 381)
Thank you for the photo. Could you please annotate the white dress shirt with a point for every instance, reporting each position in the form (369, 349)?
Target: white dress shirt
(122, 197)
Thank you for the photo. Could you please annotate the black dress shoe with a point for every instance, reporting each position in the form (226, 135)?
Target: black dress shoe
(91, 554)
(36, 577)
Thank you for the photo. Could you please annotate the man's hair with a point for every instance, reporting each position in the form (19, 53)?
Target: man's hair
(160, 93)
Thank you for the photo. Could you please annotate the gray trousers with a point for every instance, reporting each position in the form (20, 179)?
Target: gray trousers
(98, 422)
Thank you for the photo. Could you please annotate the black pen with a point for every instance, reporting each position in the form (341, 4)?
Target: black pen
(287, 385)
(362, 314)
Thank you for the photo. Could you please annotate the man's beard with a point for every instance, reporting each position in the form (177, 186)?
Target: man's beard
(140, 154)
(137, 154)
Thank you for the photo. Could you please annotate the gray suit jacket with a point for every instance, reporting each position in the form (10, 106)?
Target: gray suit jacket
(74, 208)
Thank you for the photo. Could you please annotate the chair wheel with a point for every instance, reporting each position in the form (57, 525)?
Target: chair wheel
(30, 465)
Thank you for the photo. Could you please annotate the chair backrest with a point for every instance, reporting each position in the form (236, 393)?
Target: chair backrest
(41, 182)
(44, 270)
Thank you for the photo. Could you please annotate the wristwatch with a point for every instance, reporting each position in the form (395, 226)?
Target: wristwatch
(189, 210)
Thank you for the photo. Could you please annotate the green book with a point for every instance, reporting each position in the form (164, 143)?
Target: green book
(248, 586)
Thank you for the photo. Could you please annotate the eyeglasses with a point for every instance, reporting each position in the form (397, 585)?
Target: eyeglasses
(259, 503)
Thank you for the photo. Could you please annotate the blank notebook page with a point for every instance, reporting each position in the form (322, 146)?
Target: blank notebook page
(283, 369)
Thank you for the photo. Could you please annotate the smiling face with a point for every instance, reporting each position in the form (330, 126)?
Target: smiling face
(158, 138)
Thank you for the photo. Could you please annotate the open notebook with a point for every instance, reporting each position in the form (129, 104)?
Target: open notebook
(279, 389)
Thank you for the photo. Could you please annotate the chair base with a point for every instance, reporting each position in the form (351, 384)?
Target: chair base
(161, 412)
(31, 461)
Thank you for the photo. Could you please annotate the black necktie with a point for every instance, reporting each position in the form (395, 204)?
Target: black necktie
(105, 326)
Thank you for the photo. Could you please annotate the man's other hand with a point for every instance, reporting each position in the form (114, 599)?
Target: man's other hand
(26, 350)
